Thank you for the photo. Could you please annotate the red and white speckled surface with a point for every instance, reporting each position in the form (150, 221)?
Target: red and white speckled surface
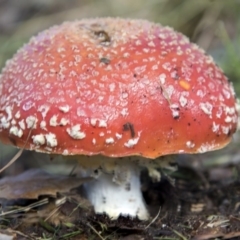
(115, 87)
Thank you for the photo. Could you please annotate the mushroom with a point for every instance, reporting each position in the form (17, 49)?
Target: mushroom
(117, 94)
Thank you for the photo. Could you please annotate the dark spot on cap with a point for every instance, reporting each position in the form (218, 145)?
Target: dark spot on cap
(103, 36)
(129, 126)
(105, 60)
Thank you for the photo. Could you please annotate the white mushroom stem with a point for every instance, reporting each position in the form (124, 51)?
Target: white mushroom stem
(119, 193)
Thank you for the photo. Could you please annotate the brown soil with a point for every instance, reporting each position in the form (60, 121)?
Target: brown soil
(191, 209)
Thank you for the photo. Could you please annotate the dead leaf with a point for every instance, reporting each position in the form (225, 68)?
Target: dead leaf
(207, 236)
(35, 182)
(231, 235)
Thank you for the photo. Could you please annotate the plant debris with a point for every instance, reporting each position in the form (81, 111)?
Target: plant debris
(35, 182)
(57, 212)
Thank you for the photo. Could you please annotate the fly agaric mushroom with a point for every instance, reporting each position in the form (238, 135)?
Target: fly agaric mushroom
(123, 92)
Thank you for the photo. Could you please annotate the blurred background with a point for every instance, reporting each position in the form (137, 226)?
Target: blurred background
(213, 24)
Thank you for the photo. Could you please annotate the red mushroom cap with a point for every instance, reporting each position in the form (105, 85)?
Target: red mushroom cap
(115, 87)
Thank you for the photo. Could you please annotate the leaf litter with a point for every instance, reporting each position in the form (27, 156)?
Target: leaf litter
(36, 182)
(36, 203)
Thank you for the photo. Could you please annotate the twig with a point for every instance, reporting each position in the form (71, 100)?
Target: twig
(27, 208)
(179, 234)
(154, 219)
(19, 153)
(20, 233)
(54, 211)
(95, 231)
